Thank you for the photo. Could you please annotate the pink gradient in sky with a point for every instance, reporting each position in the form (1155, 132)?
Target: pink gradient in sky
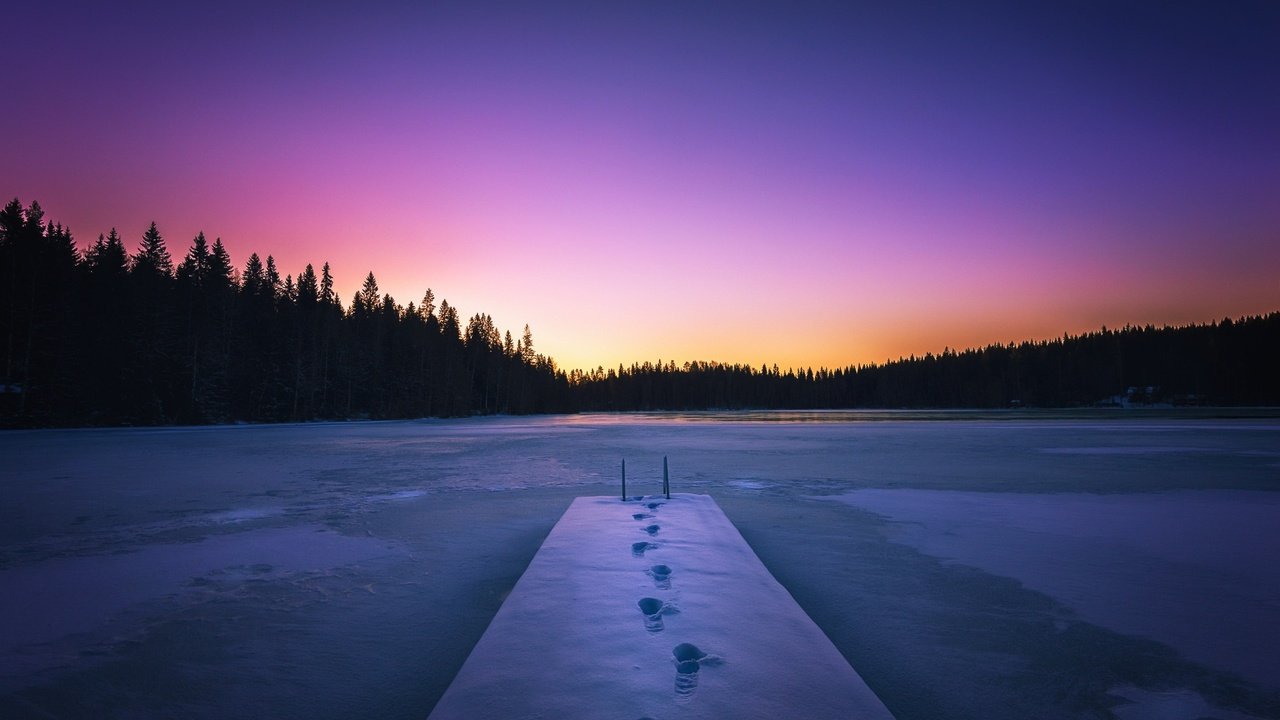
(809, 185)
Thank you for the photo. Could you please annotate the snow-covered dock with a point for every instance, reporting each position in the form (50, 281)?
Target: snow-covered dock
(652, 608)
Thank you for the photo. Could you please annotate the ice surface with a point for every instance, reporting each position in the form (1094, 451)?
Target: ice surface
(569, 642)
(1194, 569)
(1148, 705)
(1170, 705)
(42, 603)
(347, 569)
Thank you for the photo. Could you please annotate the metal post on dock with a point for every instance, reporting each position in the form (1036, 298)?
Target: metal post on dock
(666, 478)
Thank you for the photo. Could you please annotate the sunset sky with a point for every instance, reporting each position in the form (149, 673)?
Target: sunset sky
(790, 183)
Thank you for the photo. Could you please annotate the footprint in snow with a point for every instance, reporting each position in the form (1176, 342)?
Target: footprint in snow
(653, 610)
(638, 549)
(689, 659)
(661, 575)
(652, 529)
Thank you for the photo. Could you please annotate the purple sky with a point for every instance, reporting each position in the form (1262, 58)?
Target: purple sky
(804, 184)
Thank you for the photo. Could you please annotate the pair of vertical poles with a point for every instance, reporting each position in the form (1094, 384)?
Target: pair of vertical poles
(666, 479)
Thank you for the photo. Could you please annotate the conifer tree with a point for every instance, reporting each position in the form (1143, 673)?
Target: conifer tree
(326, 287)
(153, 256)
(104, 329)
(271, 276)
(526, 344)
(221, 270)
(449, 326)
(154, 336)
(108, 257)
(367, 299)
(253, 280)
(308, 287)
(205, 294)
(428, 307)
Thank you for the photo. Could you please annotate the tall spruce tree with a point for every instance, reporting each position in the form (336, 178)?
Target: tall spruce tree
(104, 330)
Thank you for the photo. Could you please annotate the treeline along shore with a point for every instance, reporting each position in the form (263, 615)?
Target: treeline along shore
(106, 336)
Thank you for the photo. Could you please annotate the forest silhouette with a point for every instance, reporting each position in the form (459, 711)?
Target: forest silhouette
(109, 337)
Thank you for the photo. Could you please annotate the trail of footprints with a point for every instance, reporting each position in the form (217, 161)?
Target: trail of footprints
(688, 658)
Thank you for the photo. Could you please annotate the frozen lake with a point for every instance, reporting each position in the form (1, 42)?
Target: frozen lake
(967, 567)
